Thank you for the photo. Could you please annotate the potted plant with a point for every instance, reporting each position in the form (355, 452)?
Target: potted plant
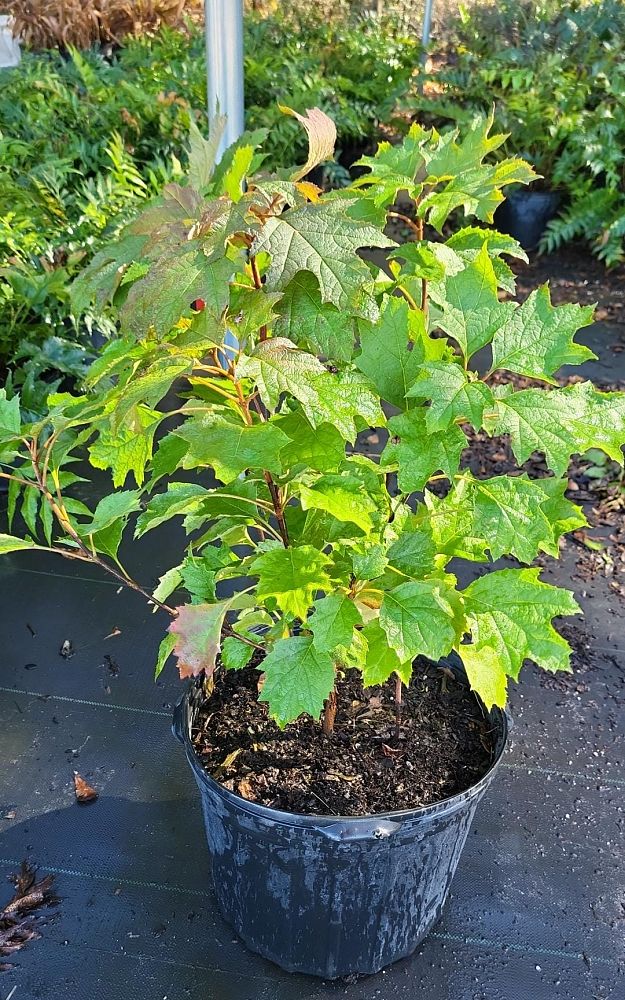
(345, 709)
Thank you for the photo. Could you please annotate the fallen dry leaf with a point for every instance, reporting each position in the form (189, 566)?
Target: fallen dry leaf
(244, 789)
(84, 792)
(19, 918)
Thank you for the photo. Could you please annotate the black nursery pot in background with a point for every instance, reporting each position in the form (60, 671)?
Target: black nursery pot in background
(525, 214)
(331, 895)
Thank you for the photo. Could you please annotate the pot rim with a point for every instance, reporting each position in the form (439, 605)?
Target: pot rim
(181, 729)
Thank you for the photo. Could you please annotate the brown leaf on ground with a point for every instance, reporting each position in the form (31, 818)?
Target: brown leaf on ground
(84, 792)
(21, 916)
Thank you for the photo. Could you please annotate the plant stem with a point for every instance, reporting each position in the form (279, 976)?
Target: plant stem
(329, 713)
(398, 705)
(258, 285)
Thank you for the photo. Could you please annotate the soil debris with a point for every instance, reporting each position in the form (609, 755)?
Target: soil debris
(22, 916)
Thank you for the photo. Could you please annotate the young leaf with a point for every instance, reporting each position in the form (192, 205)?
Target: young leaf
(231, 448)
(197, 628)
(537, 338)
(453, 397)
(333, 622)
(381, 660)
(470, 309)
(236, 654)
(560, 423)
(485, 673)
(342, 398)
(321, 239)
(127, 450)
(180, 499)
(342, 497)
(393, 349)
(419, 454)
(292, 577)
(165, 650)
(422, 617)
(298, 679)
(9, 543)
(510, 612)
(414, 551)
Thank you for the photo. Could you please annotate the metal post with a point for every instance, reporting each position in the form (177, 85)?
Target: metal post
(427, 25)
(223, 25)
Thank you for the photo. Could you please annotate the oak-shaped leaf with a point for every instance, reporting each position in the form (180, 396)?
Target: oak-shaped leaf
(198, 629)
(422, 617)
(278, 366)
(298, 679)
(417, 453)
(333, 622)
(453, 395)
(230, 447)
(292, 577)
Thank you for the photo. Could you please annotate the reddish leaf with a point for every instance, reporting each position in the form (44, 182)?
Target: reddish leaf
(84, 792)
(198, 627)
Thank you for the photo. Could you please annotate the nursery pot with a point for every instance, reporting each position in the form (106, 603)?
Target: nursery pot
(331, 895)
(525, 214)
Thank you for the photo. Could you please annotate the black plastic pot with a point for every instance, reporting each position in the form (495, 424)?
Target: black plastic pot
(525, 214)
(329, 895)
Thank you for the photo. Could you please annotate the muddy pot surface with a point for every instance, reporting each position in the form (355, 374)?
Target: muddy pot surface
(332, 896)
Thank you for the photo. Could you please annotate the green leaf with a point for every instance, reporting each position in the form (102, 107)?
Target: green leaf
(510, 612)
(561, 422)
(506, 515)
(474, 238)
(165, 650)
(249, 310)
(419, 260)
(418, 453)
(203, 152)
(394, 348)
(292, 577)
(381, 659)
(309, 322)
(422, 618)
(235, 655)
(321, 132)
(168, 583)
(414, 551)
(9, 543)
(127, 450)
(323, 240)
(198, 575)
(470, 309)
(197, 628)
(342, 497)
(333, 622)
(233, 182)
(485, 673)
(453, 397)
(173, 282)
(278, 366)
(231, 448)
(149, 387)
(180, 499)
(537, 338)
(342, 398)
(168, 457)
(30, 506)
(368, 560)
(110, 509)
(298, 679)
(10, 420)
(321, 448)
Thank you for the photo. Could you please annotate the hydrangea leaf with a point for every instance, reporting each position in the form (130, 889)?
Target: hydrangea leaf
(474, 238)
(506, 515)
(422, 617)
(393, 349)
(165, 650)
(561, 422)
(333, 622)
(298, 679)
(414, 551)
(292, 577)
(231, 448)
(342, 398)
(323, 240)
(510, 612)
(321, 448)
(381, 660)
(180, 499)
(419, 454)
(9, 543)
(308, 321)
(321, 132)
(453, 396)
(111, 508)
(341, 496)
(129, 449)
(197, 628)
(470, 309)
(485, 673)
(278, 366)
(537, 338)
(235, 655)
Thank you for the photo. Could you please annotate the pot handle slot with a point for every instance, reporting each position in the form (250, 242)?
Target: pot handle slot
(177, 726)
(375, 829)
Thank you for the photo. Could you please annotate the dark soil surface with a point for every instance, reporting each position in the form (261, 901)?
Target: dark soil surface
(444, 745)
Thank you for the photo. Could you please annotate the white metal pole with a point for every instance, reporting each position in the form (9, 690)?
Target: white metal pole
(427, 25)
(223, 25)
